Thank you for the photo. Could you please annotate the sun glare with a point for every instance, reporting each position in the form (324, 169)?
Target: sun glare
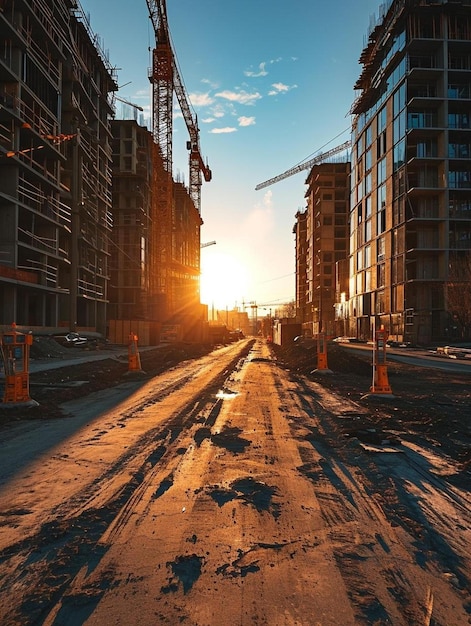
(223, 280)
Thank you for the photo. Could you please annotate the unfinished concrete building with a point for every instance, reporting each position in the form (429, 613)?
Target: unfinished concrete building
(303, 309)
(411, 178)
(183, 295)
(326, 231)
(155, 256)
(131, 249)
(55, 168)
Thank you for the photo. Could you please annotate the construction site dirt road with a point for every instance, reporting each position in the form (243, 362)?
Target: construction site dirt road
(239, 488)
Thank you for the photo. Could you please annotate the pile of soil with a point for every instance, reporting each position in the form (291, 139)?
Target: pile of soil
(429, 403)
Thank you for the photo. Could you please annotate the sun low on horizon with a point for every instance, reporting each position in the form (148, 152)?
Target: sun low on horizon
(224, 280)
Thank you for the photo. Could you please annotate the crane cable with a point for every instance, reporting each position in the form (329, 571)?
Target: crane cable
(321, 148)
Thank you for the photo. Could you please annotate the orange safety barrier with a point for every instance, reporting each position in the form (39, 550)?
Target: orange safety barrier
(380, 384)
(322, 366)
(15, 354)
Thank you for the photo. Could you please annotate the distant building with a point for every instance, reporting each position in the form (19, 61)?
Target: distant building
(184, 276)
(234, 319)
(410, 220)
(321, 242)
(303, 309)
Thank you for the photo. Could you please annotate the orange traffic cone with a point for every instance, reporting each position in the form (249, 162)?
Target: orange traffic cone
(134, 359)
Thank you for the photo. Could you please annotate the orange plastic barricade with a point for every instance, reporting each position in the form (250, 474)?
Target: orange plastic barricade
(322, 367)
(15, 354)
(380, 384)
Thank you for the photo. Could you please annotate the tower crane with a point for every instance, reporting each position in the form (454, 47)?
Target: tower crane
(305, 166)
(131, 104)
(135, 107)
(166, 80)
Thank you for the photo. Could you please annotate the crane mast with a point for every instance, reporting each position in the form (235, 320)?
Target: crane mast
(161, 78)
(166, 81)
(305, 166)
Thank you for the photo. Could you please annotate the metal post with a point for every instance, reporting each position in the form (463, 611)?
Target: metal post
(76, 191)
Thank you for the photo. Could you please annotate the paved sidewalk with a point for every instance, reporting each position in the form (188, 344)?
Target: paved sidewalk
(76, 356)
(42, 365)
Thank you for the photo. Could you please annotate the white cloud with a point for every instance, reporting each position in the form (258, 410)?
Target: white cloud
(218, 111)
(200, 99)
(206, 81)
(141, 93)
(246, 121)
(242, 97)
(261, 71)
(280, 88)
(221, 131)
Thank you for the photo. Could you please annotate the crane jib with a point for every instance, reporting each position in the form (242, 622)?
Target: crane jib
(306, 165)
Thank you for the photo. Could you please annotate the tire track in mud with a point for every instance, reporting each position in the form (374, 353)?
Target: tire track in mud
(68, 577)
(250, 493)
(45, 565)
(372, 493)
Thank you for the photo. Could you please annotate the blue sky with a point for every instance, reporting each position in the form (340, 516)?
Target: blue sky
(271, 83)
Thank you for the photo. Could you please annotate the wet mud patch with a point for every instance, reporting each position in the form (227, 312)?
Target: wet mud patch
(373, 435)
(251, 492)
(230, 439)
(232, 570)
(245, 563)
(201, 434)
(251, 560)
(186, 570)
(163, 487)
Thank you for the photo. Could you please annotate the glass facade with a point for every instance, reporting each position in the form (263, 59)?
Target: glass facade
(411, 178)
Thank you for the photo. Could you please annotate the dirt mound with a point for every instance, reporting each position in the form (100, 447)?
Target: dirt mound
(305, 361)
(46, 348)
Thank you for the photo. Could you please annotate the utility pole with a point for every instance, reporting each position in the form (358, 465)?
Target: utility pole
(76, 193)
(254, 308)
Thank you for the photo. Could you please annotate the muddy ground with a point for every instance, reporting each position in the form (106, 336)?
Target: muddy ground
(131, 511)
(431, 403)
